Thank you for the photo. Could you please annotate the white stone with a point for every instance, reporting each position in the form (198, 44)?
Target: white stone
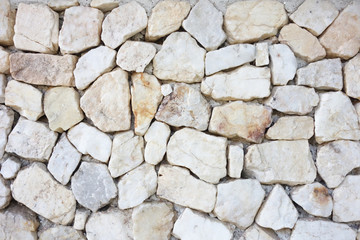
(180, 59)
(291, 128)
(6, 23)
(5, 193)
(166, 89)
(122, 23)
(284, 162)
(61, 5)
(256, 232)
(4, 61)
(352, 76)
(235, 160)
(238, 201)
(283, 64)
(156, 139)
(10, 167)
(81, 216)
(104, 5)
(3, 83)
(61, 232)
(262, 54)
(6, 122)
(89, 140)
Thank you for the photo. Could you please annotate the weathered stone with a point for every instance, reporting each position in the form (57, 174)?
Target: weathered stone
(351, 77)
(292, 128)
(166, 89)
(185, 106)
(257, 232)
(284, 162)
(283, 64)
(80, 30)
(4, 61)
(262, 54)
(107, 102)
(244, 83)
(238, 201)
(240, 119)
(104, 5)
(6, 122)
(7, 22)
(61, 232)
(180, 59)
(3, 83)
(122, 23)
(81, 216)
(61, 5)
(10, 167)
(235, 160)
(176, 185)
(156, 139)
(5, 193)
(35, 188)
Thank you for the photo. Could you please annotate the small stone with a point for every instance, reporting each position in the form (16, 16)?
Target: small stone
(35, 188)
(104, 5)
(93, 186)
(43, 69)
(229, 57)
(10, 168)
(122, 23)
(244, 83)
(81, 29)
(235, 160)
(240, 120)
(156, 139)
(256, 232)
(3, 83)
(352, 76)
(61, 5)
(107, 102)
(5, 193)
(314, 198)
(153, 220)
(336, 118)
(176, 185)
(81, 216)
(324, 75)
(238, 201)
(89, 140)
(283, 64)
(7, 22)
(249, 21)
(6, 122)
(166, 89)
(304, 44)
(166, 17)
(4, 61)
(185, 106)
(262, 54)
(127, 153)
(291, 128)
(180, 59)
(61, 232)
(283, 162)
(93, 64)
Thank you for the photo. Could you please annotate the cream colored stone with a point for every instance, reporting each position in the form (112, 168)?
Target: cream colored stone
(291, 128)
(256, 232)
(104, 5)
(6, 122)
(283, 64)
(7, 22)
(352, 77)
(61, 5)
(166, 89)
(5, 193)
(4, 61)
(235, 160)
(156, 139)
(81, 216)
(10, 167)
(262, 54)
(61, 232)
(3, 83)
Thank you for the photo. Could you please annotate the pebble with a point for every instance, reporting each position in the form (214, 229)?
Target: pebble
(291, 128)
(5, 193)
(6, 23)
(156, 139)
(61, 5)
(61, 232)
(235, 160)
(262, 54)
(351, 77)
(81, 216)
(104, 5)
(283, 64)
(4, 61)
(10, 167)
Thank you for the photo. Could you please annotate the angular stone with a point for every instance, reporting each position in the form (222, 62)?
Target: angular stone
(89, 140)
(4, 61)
(176, 185)
(240, 120)
(3, 83)
(61, 5)
(93, 186)
(283, 64)
(166, 89)
(7, 22)
(156, 139)
(127, 153)
(81, 216)
(244, 83)
(43, 69)
(238, 201)
(10, 167)
(249, 21)
(61, 232)
(185, 106)
(104, 5)
(92, 65)
(5, 193)
(6, 122)
(336, 118)
(35, 188)
(291, 128)
(324, 75)
(107, 102)
(351, 77)
(180, 59)
(235, 160)
(122, 23)
(257, 232)
(262, 54)
(284, 162)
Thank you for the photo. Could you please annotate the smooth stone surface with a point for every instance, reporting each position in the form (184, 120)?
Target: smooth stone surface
(61, 232)
(4, 61)
(10, 167)
(5, 193)
(104, 5)
(81, 216)
(235, 160)
(291, 128)
(262, 54)
(257, 232)
(166, 89)
(352, 76)
(6, 122)
(283, 64)
(6, 23)
(156, 139)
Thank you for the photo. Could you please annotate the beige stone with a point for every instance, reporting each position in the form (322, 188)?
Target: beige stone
(3, 83)
(61, 232)
(6, 122)
(81, 216)
(4, 61)
(262, 54)
(291, 128)
(156, 139)
(104, 5)
(352, 77)
(5, 193)
(61, 5)
(283, 64)
(257, 232)
(235, 160)
(7, 22)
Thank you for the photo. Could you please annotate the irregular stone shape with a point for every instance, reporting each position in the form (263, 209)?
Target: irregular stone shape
(240, 119)
(156, 139)
(293, 99)
(93, 186)
(43, 69)
(262, 54)
(153, 220)
(112, 224)
(238, 201)
(166, 89)
(61, 232)
(35, 188)
(81, 216)
(185, 106)
(127, 153)
(10, 167)
(314, 198)
(249, 21)
(335, 118)
(135, 56)
(291, 128)
(7, 22)
(89, 140)
(104, 5)
(3, 83)
(36, 28)
(62, 108)
(122, 23)
(283, 64)
(324, 75)
(235, 160)
(81, 29)
(4, 61)
(180, 59)
(6, 122)
(322, 14)
(145, 99)
(352, 76)
(176, 185)
(166, 17)
(193, 225)
(61, 5)
(244, 83)
(92, 65)
(284, 162)
(341, 39)
(278, 211)
(203, 154)
(5, 193)
(107, 102)
(31, 140)
(257, 232)
(136, 186)
(304, 44)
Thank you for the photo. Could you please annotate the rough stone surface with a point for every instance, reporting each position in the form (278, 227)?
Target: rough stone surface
(7, 22)
(81, 216)
(61, 232)
(5, 193)
(6, 122)
(156, 139)
(4, 61)
(104, 5)
(352, 76)
(283, 64)
(235, 160)
(291, 128)
(257, 232)
(10, 167)
(3, 83)
(262, 54)
(61, 5)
